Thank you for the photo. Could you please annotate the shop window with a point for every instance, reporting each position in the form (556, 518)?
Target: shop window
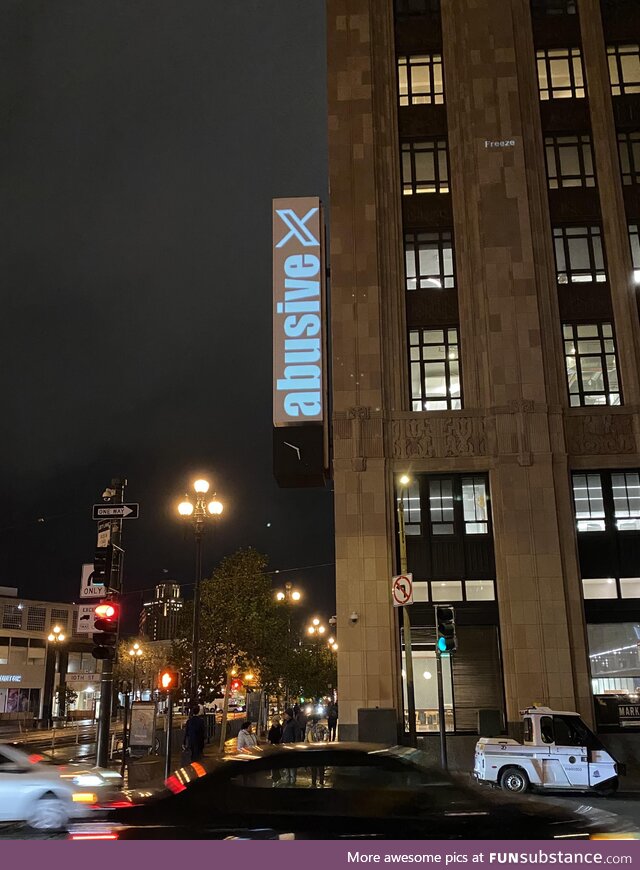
(589, 503)
(446, 590)
(579, 254)
(614, 655)
(569, 161)
(429, 260)
(560, 74)
(479, 590)
(441, 506)
(629, 151)
(420, 79)
(626, 500)
(435, 369)
(425, 686)
(596, 589)
(425, 167)
(591, 364)
(474, 505)
(624, 69)
(630, 587)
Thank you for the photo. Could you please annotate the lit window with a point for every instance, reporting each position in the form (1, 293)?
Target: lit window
(595, 589)
(411, 508)
(429, 260)
(579, 255)
(446, 590)
(569, 161)
(629, 151)
(479, 590)
(624, 69)
(420, 79)
(634, 241)
(474, 506)
(435, 369)
(541, 8)
(590, 358)
(424, 167)
(626, 500)
(630, 587)
(420, 590)
(560, 74)
(589, 503)
(441, 507)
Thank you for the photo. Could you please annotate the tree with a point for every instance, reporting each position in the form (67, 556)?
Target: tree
(154, 657)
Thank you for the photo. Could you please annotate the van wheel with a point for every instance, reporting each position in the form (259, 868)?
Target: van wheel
(607, 788)
(514, 780)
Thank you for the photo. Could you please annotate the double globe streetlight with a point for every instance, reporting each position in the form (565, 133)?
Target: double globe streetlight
(56, 637)
(199, 510)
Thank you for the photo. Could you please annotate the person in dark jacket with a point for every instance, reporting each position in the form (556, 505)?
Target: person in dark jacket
(332, 721)
(289, 735)
(274, 735)
(194, 735)
(301, 725)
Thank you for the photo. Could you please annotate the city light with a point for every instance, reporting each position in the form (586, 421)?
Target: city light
(201, 485)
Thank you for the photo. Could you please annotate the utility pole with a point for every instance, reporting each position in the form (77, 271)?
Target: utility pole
(406, 628)
(112, 495)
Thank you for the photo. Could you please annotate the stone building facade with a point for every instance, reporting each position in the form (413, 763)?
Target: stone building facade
(484, 208)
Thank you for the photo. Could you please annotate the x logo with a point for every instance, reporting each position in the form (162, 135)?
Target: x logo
(297, 228)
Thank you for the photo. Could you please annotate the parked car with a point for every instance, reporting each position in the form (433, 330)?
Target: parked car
(362, 791)
(40, 794)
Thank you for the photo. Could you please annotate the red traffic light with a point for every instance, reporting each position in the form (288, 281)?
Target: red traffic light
(168, 679)
(106, 611)
(236, 685)
(106, 616)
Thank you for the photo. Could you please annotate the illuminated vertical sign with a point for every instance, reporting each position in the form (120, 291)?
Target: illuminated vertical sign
(298, 311)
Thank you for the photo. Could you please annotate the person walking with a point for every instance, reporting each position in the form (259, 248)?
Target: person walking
(194, 735)
(317, 733)
(289, 735)
(247, 740)
(301, 725)
(274, 734)
(332, 721)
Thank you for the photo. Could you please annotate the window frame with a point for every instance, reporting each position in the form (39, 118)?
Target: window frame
(568, 274)
(440, 241)
(547, 90)
(438, 148)
(553, 147)
(628, 151)
(619, 86)
(581, 393)
(407, 66)
(421, 351)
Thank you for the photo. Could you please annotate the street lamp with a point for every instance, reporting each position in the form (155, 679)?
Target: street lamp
(198, 510)
(289, 597)
(136, 653)
(403, 482)
(316, 628)
(57, 637)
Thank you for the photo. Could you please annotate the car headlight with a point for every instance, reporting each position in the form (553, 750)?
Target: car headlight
(87, 780)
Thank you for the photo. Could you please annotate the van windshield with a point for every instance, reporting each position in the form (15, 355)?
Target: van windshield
(572, 731)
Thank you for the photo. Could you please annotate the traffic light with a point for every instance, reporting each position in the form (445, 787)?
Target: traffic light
(102, 564)
(168, 678)
(106, 619)
(446, 629)
(236, 685)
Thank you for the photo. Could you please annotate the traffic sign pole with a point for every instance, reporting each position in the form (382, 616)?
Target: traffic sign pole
(406, 631)
(441, 720)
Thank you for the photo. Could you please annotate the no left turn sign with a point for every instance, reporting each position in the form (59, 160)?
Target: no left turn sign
(402, 590)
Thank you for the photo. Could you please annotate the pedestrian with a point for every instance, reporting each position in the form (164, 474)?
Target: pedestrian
(194, 735)
(274, 735)
(247, 740)
(332, 720)
(289, 735)
(301, 725)
(317, 733)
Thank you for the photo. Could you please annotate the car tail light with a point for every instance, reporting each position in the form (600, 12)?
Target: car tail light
(174, 784)
(35, 758)
(98, 835)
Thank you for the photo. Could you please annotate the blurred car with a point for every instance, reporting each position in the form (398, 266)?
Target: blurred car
(362, 791)
(106, 782)
(40, 794)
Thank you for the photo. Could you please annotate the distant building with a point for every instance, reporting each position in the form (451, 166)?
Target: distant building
(159, 617)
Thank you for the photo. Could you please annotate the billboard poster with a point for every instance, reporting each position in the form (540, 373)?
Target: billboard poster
(143, 724)
(298, 311)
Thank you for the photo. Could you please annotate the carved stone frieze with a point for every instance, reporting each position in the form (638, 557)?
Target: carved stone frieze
(438, 437)
(592, 434)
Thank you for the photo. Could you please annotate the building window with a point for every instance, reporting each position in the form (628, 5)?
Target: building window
(592, 371)
(435, 369)
(594, 590)
(36, 618)
(589, 503)
(424, 167)
(4, 650)
(60, 617)
(579, 255)
(569, 161)
(18, 652)
(614, 655)
(446, 590)
(420, 79)
(474, 505)
(629, 150)
(441, 506)
(560, 74)
(630, 587)
(429, 260)
(479, 590)
(36, 652)
(626, 500)
(634, 241)
(411, 508)
(624, 69)
(12, 616)
(541, 8)
(417, 7)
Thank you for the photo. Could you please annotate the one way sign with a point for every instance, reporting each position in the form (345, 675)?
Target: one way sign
(118, 511)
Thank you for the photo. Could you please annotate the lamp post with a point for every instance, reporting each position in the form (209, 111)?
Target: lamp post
(289, 596)
(136, 653)
(403, 483)
(57, 637)
(198, 510)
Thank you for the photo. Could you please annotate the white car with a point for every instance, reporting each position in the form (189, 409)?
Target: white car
(39, 794)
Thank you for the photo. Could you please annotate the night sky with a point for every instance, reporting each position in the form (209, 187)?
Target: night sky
(142, 142)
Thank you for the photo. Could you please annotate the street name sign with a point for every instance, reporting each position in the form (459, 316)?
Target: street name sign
(402, 590)
(117, 511)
